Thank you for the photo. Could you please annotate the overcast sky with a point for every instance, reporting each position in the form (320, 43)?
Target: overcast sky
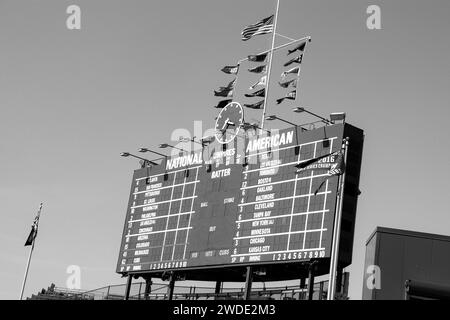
(72, 100)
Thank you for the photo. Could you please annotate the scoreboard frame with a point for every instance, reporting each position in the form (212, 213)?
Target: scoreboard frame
(199, 164)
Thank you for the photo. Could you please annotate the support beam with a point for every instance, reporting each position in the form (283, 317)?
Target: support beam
(339, 280)
(128, 287)
(311, 280)
(171, 285)
(321, 290)
(248, 283)
(148, 288)
(218, 286)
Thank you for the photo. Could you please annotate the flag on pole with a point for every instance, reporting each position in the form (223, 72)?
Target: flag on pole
(31, 236)
(320, 164)
(223, 92)
(257, 105)
(230, 85)
(293, 70)
(258, 58)
(223, 103)
(286, 84)
(259, 93)
(258, 69)
(336, 169)
(230, 69)
(261, 27)
(34, 229)
(294, 60)
(300, 47)
(260, 82)
(226, 91)
(291, 96)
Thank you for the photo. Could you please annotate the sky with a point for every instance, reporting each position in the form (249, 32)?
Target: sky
(136, 71)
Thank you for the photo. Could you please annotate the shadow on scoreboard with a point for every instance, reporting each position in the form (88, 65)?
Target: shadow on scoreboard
(279, 271)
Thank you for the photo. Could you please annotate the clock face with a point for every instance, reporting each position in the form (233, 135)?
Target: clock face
(229, 122)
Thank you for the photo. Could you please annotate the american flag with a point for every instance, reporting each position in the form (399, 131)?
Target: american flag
(262, 27)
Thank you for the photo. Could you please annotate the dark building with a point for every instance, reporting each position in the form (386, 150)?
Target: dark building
(402, 264)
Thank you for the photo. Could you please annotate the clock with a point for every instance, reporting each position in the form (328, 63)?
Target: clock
(229, 122)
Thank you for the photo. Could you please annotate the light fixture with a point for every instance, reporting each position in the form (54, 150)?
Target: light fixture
(146, 161)
(203, 142)
(301, 109)
(166, 145)
(274, 117)
(148, 150)
(247, 126)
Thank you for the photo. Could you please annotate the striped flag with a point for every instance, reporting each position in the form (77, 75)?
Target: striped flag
(262, 27)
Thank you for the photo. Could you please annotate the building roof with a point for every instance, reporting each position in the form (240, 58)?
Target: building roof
(408, 233)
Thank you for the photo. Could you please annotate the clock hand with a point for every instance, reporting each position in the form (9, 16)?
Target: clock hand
(225, 124)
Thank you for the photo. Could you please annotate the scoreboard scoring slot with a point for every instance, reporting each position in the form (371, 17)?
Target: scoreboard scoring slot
(242, 207)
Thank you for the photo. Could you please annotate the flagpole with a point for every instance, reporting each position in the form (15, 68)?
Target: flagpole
(30, 254)
(270, 65)
(336, 231)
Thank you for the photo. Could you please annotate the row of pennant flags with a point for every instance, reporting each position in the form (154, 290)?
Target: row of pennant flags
(293, 68)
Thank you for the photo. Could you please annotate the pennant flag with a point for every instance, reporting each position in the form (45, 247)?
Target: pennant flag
(262, 27)
(300, 47)
(257, 105)
(261, 82)
(223, 103)
(258, 58)
(294, 60)
(336, 169)
(339, 167)
(230, 69)
(259, 93)
(230, 85)
(258, 69)
(223, 92)
(293, 70)
(286, 84)
(291, 96)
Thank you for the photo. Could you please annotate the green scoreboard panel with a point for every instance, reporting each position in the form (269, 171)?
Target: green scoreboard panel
(237, 204)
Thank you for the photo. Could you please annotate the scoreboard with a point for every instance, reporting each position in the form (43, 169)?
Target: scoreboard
(241, 203)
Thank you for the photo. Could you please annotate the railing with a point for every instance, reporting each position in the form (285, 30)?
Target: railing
(159, 291)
